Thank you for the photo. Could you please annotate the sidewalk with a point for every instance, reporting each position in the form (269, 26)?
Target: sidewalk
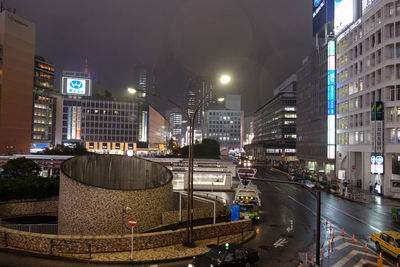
(149, 256)
(372, 198)
(369, 197)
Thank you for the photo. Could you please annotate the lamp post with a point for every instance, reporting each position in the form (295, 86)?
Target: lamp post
(224, 79)
(123, 211)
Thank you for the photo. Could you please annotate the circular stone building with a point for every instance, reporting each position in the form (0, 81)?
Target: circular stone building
(94, 189)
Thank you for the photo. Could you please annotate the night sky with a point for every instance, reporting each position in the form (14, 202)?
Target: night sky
(259, 42)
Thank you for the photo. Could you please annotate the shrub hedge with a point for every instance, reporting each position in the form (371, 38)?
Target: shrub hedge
(13, 188)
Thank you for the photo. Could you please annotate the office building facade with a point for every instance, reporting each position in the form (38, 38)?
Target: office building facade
(44, 105)
(17, 51)
(275, 126)
(103, 125)
(315, 144)
(226, 127)
(368, 98)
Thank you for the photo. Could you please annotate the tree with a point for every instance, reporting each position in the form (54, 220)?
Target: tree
(172, 145)
(209, 148)
(21, 167)
(76, 149)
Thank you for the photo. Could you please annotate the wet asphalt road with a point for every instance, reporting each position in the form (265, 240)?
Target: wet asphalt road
(287, 224)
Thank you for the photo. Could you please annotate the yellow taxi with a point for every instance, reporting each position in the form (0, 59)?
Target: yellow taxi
(388, 241)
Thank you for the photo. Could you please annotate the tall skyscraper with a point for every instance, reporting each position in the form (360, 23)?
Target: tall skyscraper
(145, 80)
(17, 51)
(44, 105)
(315, 144)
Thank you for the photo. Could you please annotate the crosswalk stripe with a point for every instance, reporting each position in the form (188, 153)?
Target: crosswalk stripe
(348, 257)
(362, 262)
(343, 245)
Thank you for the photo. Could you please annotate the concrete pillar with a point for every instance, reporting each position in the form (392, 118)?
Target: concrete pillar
(386, 183)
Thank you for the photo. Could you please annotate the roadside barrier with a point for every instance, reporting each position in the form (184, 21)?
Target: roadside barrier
(329, 247)
(380, 261)
(322, 253)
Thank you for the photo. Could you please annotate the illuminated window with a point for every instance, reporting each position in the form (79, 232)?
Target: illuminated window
(290, 116)
(290, 109)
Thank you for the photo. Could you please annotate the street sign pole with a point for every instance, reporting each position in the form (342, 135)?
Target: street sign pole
(318, 227)
(132, 244)
(132, 223)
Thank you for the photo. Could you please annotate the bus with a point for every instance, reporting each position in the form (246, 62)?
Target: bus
(249, 202)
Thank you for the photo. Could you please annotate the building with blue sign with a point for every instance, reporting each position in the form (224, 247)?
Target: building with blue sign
(368, 97)
(315, 131)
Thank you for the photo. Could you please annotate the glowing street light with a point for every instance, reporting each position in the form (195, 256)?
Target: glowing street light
(225, 79)
(132, 90)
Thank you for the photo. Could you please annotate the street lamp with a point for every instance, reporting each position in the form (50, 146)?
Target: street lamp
(191, 117)
(225, 79)
(123, 211)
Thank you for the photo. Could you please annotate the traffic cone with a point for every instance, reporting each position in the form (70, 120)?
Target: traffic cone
(353, 239)
(330, 226)
(343, 231)
(322, 253)
(333, 235)
(365, 247)
(380, 261)
(326, 222)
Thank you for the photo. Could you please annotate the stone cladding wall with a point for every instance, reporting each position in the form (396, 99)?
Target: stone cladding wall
(62, 244)
(19, 208)
(90, 210)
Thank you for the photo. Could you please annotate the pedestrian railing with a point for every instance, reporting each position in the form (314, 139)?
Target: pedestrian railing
(51, 229)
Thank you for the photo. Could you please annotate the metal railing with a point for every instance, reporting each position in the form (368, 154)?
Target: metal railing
(51, 229)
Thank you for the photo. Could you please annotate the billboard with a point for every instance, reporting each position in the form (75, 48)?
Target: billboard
(377, 164)
(74, 123)
(345, 14)
(76, 86)
(323, 12)
(331, 100)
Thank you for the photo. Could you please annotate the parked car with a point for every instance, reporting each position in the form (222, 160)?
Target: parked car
(388, 241)
(230, 254)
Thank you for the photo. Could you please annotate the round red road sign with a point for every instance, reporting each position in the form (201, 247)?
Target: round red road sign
(132, 222)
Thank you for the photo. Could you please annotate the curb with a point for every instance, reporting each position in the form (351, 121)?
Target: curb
(88, 261)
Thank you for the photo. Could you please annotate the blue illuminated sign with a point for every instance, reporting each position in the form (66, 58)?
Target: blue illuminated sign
(39, 145)
(76, 84)
(322, 13)
(331, 93)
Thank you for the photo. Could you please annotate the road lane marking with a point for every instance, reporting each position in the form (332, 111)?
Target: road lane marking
(277, 188)
(280, 243)
(302, 205)
(355, 218)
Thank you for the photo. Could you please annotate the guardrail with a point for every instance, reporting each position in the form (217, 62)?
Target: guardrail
(51, 229)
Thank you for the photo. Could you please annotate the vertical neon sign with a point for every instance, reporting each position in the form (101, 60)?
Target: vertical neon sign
(69, 123)
(331, 100)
